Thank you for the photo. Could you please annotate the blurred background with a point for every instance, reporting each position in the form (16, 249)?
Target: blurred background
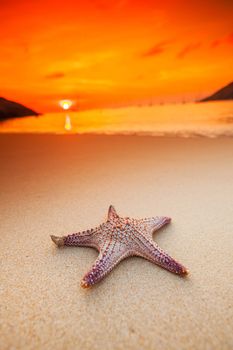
(105, 55)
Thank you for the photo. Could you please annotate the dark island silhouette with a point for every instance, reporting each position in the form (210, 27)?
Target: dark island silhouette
(10, 109)
(225, 93)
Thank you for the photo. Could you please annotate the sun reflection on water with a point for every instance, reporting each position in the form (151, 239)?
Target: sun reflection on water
(68, 125)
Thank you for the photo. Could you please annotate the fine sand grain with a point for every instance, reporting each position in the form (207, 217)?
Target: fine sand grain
(54, 184)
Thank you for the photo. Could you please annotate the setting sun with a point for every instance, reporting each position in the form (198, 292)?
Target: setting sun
(65, 104)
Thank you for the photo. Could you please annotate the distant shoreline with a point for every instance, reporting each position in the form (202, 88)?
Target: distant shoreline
(212, 119)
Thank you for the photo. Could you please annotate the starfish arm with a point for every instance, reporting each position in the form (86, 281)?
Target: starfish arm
(118, 238)
(149, 225)
(104, 264)
(84, 238)
(112, 214)
(152, 252)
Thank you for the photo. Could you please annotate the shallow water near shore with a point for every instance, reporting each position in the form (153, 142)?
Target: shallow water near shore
(210, 119)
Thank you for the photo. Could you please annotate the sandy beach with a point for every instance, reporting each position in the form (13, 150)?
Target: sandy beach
(58, 184)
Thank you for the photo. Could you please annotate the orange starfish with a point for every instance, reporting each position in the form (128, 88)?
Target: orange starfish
(119, 238)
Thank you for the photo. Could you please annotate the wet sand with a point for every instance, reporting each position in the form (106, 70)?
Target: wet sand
(57, 184)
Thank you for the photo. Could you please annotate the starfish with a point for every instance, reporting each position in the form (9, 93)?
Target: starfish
(119, 238)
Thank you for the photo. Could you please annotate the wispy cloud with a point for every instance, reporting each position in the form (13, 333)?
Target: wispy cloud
(215, 43)
(228, 39)
(104, 5)
(157, 49)
(187, 49)
(55, 75)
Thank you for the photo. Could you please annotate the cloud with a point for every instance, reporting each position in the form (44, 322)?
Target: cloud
(55, 75)
(156, 49)
(105, 5)
(215, 43)
(187, 49)
(228, 39)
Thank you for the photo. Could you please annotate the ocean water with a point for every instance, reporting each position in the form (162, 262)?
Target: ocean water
(211, 119)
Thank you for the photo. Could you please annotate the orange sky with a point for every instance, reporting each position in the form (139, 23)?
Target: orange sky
(110, 53)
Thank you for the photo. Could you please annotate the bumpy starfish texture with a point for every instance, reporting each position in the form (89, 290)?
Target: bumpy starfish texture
(119, 238)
